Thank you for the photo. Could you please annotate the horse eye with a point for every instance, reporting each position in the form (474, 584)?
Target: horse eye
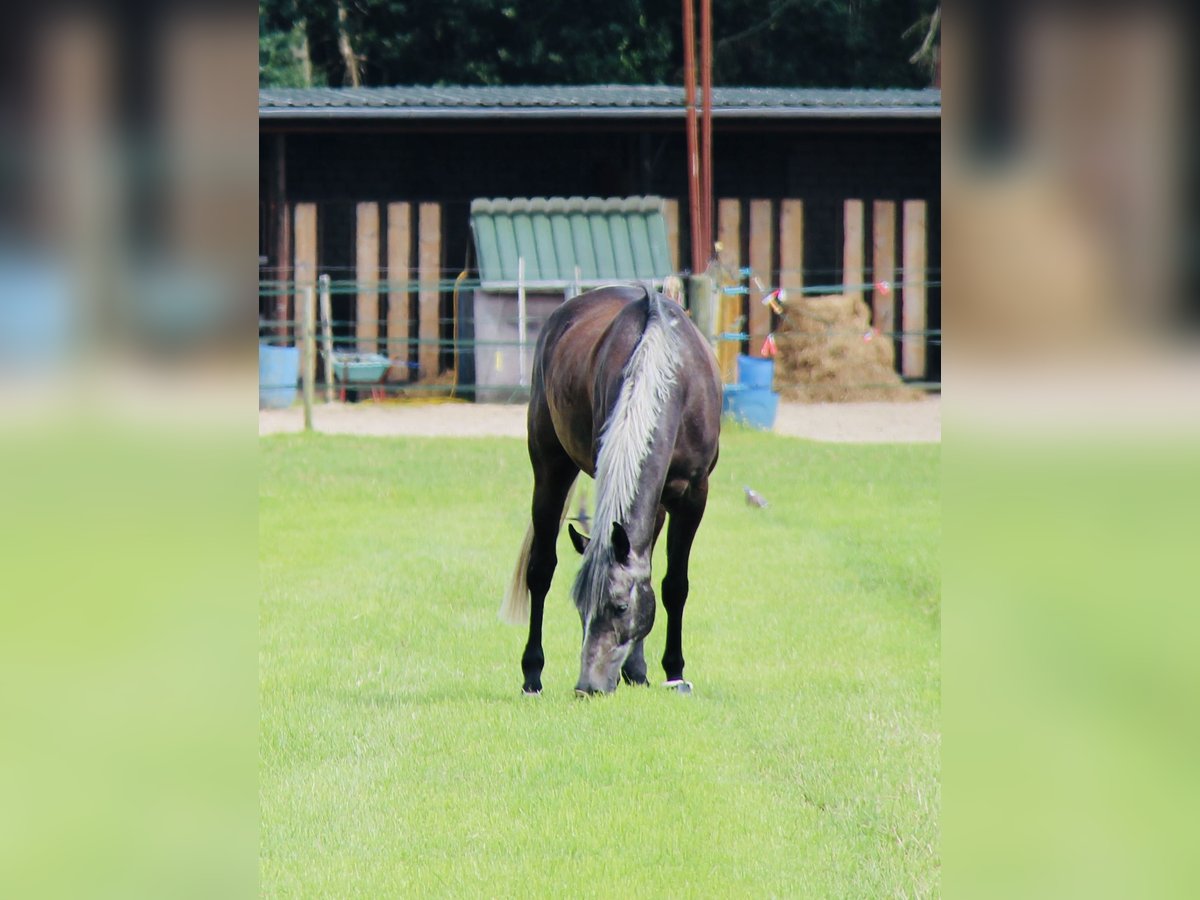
(620, 608)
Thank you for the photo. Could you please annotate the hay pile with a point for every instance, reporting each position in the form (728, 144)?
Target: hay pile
(824, 358)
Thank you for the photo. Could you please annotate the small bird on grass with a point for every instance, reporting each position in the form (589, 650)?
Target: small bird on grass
(754, 498)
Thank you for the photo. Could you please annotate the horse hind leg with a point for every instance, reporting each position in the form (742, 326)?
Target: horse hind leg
(551, 492)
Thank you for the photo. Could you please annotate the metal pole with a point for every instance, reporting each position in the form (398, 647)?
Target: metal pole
(521, 320)
(706, 164)
(689, 89)
(309, 337)
(327, 335)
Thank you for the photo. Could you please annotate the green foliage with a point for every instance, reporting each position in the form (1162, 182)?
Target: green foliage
(279, 59)
(398, 757)
(830, 43)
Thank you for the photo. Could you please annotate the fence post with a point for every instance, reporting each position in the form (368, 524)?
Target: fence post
(308, 336)
(700, 302)
(327, 335)
(762, 249)
(366, 271)
(852, 250)
(912, 305)
(729, 306)
(883, 267)
(521, 321)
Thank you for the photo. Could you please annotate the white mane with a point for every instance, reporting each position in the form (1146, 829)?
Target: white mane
(625, 442)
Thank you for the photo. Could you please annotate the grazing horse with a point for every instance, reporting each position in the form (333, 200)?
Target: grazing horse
(626, 389)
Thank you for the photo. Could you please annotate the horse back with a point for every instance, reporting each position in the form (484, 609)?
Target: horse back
(581, 353)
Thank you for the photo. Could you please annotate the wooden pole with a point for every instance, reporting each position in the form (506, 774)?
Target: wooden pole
(429, 262)
(305, 268)
(671, 215)
(912, 312)
(366, 273)
(327, 336)
(883, 266)
(308, 332)
(762, 246)
(399, 270)
(791, 247)
(695, 213)
(700, 303)
(283, 234)
(852, 250)
(729, 306)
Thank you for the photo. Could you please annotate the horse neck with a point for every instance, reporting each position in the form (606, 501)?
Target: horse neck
(637, 511)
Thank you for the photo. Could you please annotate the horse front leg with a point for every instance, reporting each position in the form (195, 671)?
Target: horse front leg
(685, 519)
(633, 671)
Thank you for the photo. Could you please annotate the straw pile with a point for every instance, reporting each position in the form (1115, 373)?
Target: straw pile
(829, 354)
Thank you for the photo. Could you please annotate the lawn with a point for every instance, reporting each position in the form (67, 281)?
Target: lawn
(398, 756)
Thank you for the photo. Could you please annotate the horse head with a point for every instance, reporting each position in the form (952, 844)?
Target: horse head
(620, 612)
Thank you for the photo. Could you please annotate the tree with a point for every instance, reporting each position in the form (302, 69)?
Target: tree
(818, 43)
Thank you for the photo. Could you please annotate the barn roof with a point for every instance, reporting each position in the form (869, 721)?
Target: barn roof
(613, 239)
(592, 101)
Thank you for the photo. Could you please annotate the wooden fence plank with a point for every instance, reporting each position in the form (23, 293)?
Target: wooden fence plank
(283, 233)
(399, 262)
(912, 312)
(791, 246)
(883, 265)
(366, 273)
(671, 215)
(429, 263)
(762, 248)
(304, 268)
(852, 249)
(729, 235)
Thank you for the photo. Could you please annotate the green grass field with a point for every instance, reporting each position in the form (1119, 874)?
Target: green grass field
(398, 757)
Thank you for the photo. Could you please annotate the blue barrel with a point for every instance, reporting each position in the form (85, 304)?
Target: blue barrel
(278, 372)
(754, 407)
(755, 373)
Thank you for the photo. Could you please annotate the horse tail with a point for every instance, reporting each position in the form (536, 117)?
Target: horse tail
(515, 608)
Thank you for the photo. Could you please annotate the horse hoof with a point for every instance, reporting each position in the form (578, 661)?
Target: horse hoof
(679, 686)
(534, 693)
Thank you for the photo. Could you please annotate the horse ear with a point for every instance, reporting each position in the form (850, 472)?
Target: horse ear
(579, 541)
(620, 542)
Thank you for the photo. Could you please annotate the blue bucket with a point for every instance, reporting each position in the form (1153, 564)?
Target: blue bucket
(278, 372)
(754, 407)
(755, 373)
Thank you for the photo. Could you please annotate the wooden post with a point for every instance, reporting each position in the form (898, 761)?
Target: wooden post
(852, 250)
(729, 234)
(366, 273)
(399, 259)
(308, 333)
(883, 266)
(671, 215)
(283, 235)
(762, 248)
(912, 313)
(429, 262)
(702, 304)
(791, 247)
(327, 336)
(305, 266)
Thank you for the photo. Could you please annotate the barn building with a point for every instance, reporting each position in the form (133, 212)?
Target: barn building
(374, 187)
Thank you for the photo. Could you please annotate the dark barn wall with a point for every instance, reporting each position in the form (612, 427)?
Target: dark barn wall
(821, 163)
